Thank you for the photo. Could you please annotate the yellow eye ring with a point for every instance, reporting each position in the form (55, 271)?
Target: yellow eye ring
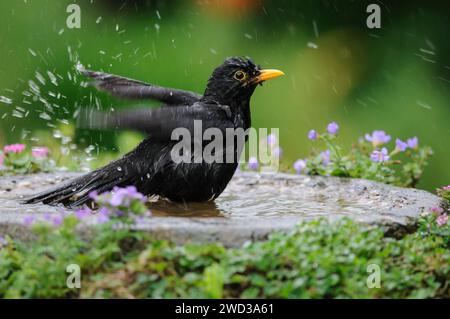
(240, 75)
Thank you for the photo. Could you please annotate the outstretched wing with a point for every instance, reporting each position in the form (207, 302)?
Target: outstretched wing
(159, 123)
(132, 89)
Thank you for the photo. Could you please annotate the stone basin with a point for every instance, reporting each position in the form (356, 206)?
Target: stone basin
(252, 206)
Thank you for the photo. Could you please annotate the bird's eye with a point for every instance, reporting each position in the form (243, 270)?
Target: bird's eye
(240, 75)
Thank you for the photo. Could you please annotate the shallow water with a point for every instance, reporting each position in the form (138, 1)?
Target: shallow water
(252, 207)
(265, 196)
(232, 206)
(248, 195)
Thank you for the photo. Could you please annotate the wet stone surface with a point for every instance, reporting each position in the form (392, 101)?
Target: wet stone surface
(252, 206)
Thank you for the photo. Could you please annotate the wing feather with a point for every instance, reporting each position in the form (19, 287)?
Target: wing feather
(126, 88)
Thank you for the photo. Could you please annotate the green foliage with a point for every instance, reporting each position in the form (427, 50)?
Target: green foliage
(319, 259)
(429, 226)
(444, 192)
(435, 221)
(24, 163)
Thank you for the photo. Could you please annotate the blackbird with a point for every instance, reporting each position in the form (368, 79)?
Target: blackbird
(150, 166)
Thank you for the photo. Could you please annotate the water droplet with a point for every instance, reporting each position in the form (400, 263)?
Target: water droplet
(32, 52)
(34, 87)
(52, 78)
(45, 116)
(40, 78)
(312, 45)
(5, 100)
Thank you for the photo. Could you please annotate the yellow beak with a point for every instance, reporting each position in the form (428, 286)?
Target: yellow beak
(268, 74)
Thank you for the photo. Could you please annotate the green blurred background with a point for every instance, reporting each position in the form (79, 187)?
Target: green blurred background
(396, 78)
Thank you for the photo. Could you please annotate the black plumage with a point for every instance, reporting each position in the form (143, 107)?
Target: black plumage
(150, 167)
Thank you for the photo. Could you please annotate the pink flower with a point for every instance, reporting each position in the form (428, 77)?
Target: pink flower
(442, 220)
(14, 148)
(39, 152)
(436, 210)
(446, 188)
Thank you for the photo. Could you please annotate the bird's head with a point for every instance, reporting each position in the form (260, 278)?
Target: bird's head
(235, 80)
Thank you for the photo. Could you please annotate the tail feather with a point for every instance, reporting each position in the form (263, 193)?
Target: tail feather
(76, 192)
(100, 189)
(48, 196)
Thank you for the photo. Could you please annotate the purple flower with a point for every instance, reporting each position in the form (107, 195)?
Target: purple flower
(117, 196)
(380, 156)
(312, 135)
(119, 213)
(104, 211)
(14, 148)
(101, 219)
(400, 146)
(103, 215)
(413, 142)
(93, 195)
(29, 220)
(333, 128)
(138, 220)
(82, 213)
(277, 152)
(47, 217)
(446, 188)
(134, 194)
(123, 196)
(39, 152)
(325, 157)
(3, 242)
(272, 140)
(299, 165)
(378, 138)
(57, 220)
(253, 163)
(442, 220)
